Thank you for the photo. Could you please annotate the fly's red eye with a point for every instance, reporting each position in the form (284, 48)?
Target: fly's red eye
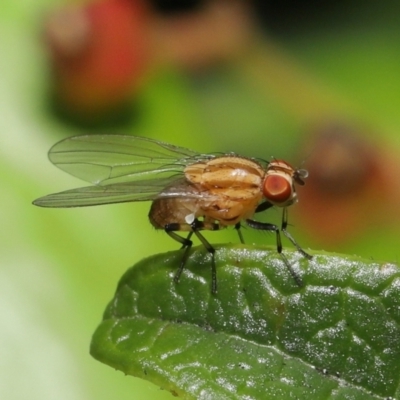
(277, 189)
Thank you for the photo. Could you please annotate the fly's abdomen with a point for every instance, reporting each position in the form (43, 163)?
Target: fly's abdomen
(172, 211)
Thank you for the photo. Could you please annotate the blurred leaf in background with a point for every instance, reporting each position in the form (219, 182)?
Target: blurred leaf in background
(212, 80)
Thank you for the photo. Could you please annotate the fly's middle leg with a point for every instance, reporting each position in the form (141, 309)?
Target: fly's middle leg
(196, 226)
(239, 232)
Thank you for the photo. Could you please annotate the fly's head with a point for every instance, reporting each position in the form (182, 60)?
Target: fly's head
(279, 183)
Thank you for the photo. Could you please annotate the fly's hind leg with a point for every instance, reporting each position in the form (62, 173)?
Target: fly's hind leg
(186, 246)
(196, 226)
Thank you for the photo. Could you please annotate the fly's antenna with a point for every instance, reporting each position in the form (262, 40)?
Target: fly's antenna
(273, 160)
(306, 157)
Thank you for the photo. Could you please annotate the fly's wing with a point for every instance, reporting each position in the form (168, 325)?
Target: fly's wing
(123, 192)
(110, 159)
(123, 168)
(105, 194)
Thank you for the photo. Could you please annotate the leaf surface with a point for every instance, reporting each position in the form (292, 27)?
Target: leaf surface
(261, 336)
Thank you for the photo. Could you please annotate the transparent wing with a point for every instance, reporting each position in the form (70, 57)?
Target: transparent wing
(124, 192)
(111, 159)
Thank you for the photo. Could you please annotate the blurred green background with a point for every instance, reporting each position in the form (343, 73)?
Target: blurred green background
(59, 268)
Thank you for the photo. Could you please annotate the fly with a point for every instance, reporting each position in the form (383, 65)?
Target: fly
(190, 192)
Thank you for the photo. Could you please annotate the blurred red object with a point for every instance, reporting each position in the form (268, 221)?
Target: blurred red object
(351, 187)
(99, 53)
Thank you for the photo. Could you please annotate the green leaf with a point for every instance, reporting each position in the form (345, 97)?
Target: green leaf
(261, 336)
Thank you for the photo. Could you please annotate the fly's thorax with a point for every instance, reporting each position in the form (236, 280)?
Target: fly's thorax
(233, 185)
(226, 172)
(230, 211)
(279, 184)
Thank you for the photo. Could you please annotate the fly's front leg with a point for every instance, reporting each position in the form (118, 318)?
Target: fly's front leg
(290, 237)
(263, 206)
(196, 226)
(265, 226)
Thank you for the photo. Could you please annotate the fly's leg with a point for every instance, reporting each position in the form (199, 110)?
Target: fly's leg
(211, 250)
(290, 237)
(186, 245)
(196, 226)
(239, 232)
(265, 226)
(187, 240)
(263, 206)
